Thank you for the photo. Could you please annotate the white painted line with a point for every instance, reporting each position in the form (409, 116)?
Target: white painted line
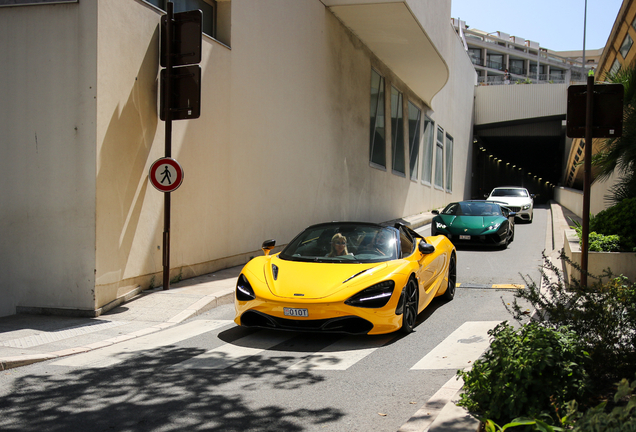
(125, 350)
(231, 353)
(342, 354)
(460, 349)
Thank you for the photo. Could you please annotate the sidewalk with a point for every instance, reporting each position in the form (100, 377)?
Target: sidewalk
(27, 339)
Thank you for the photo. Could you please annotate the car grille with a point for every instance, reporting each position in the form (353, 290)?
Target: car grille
(349, 324)
(514, 208)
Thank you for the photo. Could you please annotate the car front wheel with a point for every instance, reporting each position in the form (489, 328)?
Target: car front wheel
(409, 313)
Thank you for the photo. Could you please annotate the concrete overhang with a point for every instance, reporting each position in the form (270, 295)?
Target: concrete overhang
(395, 35)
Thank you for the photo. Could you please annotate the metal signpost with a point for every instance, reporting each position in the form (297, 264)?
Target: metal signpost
(180, 99)
(593, 111)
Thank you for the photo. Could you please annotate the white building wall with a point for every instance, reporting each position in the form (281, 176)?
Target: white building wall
(47, 135)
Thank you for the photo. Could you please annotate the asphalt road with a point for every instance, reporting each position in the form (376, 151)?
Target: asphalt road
(208, 374)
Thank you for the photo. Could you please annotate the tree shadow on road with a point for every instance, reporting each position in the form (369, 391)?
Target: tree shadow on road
(152, 393)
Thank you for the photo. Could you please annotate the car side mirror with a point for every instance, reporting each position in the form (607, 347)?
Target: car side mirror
(486, 195)
(268, 245)
(435, 212)
(512, 214)
(426, 248)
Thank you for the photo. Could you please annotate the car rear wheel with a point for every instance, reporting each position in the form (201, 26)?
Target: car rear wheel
(409, 313)
(452, 279)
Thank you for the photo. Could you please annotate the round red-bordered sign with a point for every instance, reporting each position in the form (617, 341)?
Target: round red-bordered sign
(166, 174)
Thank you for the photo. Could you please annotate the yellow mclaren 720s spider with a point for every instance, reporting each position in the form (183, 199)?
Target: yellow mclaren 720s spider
(346, 277)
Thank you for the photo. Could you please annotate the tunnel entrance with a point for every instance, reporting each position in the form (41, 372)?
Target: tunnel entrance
(531, 158)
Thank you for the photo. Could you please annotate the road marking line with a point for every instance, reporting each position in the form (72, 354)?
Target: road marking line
(460, 348)
(492, 286)
(117, 353)
(341, 354)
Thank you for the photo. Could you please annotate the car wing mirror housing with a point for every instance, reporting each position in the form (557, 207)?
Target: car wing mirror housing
(426, 248)
(435, 212)
(268, 245)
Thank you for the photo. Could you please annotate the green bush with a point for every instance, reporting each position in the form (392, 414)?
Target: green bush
(603, 316)
(621, 418)
(620, 220)
(530, 372)
(599, 242)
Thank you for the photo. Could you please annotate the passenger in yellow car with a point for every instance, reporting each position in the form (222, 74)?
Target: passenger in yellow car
(338, 246)
(381, 244)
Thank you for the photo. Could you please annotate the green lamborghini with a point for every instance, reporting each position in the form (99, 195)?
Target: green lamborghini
(475, 222)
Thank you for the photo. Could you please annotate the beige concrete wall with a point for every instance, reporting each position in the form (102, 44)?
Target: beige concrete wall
(47, 135)
(499, 103)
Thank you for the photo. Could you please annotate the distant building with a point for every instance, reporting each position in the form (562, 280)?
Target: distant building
(492, 54)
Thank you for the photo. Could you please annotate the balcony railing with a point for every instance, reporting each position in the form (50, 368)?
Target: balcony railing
(543, 79)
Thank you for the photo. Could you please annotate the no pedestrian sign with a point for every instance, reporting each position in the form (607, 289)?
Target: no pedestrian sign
(166, 174)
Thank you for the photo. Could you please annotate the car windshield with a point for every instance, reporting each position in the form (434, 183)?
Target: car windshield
(343, 243)
(472, 209)
(509, 193)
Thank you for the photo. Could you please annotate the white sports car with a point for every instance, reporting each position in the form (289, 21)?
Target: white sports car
(517, 199)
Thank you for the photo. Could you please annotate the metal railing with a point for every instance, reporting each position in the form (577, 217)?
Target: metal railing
(499, 79)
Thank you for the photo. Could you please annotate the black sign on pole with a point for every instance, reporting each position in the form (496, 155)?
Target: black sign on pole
(180, 94)
(186, 38)
(607, 111)
(185, 100)
(593, 111)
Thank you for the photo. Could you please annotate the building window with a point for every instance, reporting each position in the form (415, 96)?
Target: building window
(414, 138)
(439, 159)
(495, 61)
(397, 132)
(625, 47)
(533, 69)
(449, 163)
(377, 141)
(516, 67)
(429, 142)
(207, 7)
(616, 66)
(475, 56)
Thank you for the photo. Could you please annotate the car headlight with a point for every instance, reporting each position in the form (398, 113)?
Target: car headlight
(244, 291)
(526, 207)
(494, 226)
(440, 225)
(376, 296)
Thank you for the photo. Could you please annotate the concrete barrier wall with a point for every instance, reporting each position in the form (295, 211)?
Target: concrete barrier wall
(571, 199)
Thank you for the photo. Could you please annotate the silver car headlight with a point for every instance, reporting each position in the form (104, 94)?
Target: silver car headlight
(526, 207)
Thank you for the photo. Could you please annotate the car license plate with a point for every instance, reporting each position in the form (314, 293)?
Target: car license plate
(296, 312)
(464, 237)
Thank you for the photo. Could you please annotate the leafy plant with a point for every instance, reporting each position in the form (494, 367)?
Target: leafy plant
(622, 418)
(537, 425)
(602, 315)
(598, 242)
(530, 372)
(620, 220)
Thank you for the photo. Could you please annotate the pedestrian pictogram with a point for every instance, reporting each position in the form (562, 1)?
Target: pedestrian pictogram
(166, 174)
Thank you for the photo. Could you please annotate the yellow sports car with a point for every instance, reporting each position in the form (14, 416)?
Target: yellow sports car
(346, 277)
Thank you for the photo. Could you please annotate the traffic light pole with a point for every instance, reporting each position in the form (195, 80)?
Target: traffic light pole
(168, 145)
(587, 178)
